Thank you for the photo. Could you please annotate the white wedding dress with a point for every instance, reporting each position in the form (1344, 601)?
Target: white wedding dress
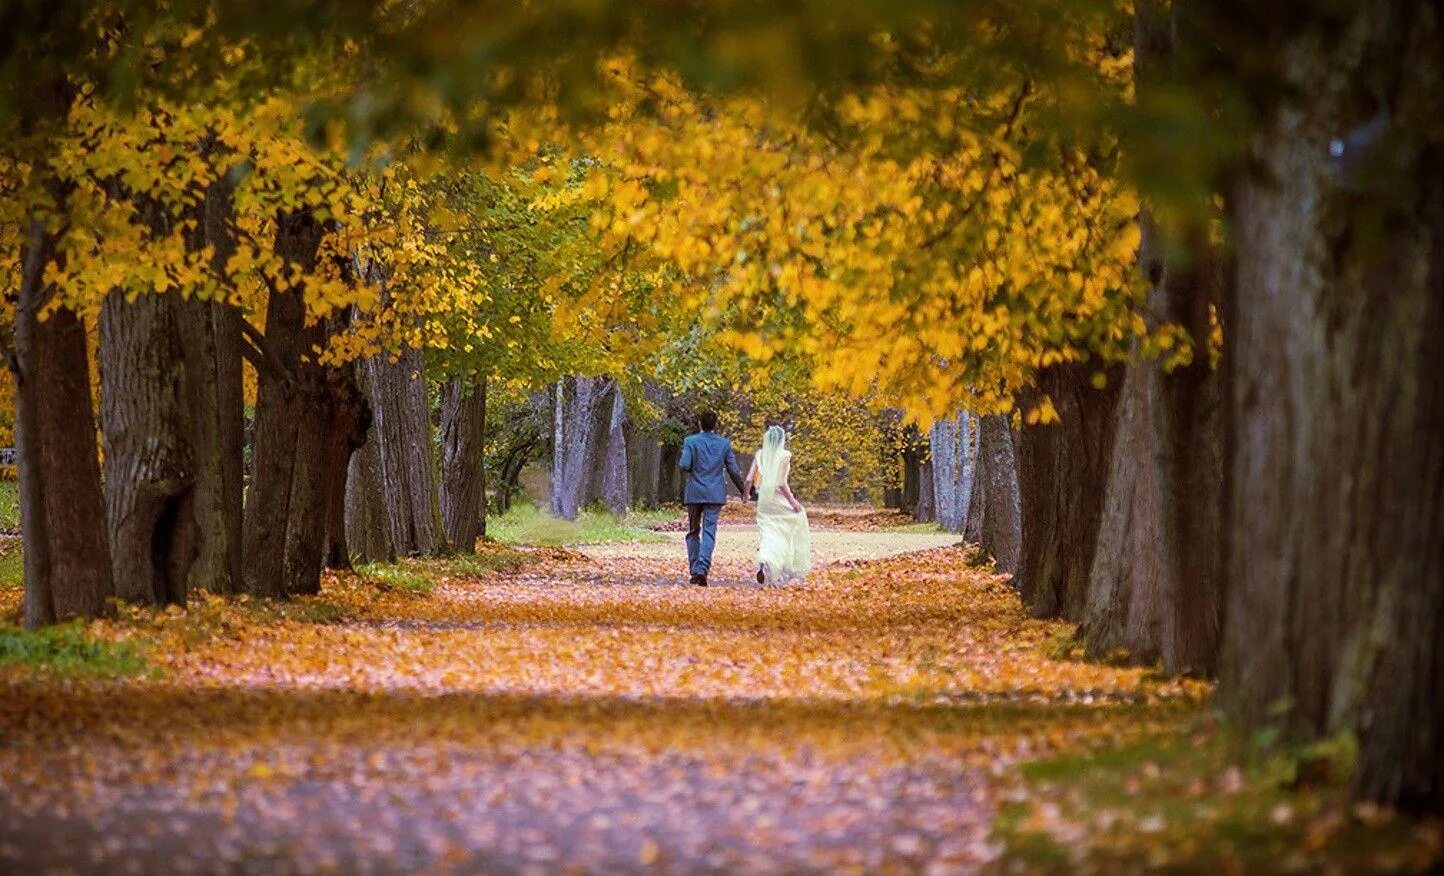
(784, 552)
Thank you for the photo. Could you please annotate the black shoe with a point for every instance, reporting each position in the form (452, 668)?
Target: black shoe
(701, 580)
(695, 579)
(761, 578)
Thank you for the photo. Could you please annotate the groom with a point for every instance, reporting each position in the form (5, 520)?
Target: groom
(704, 457)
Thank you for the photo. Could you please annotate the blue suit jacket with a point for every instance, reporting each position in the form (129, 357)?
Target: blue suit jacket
(705, 456)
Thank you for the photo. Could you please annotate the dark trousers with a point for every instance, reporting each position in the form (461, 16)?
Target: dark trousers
(701, 536)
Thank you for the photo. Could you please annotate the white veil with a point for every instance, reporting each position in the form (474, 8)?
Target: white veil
(770, 459)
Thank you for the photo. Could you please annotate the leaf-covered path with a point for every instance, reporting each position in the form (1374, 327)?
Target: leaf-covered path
(564, 712)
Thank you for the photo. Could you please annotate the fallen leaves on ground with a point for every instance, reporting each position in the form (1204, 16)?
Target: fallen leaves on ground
(1198, 798)
(553, 711)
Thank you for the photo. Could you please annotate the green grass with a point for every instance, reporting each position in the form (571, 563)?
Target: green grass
(528, 524)
(1200, 799)
(402, 575)
(419, 575)
(9, 506)
(12, 564)
(69, 650)
(926, 528)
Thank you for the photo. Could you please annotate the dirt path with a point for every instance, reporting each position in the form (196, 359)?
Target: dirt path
(737, 545)
(582, 714)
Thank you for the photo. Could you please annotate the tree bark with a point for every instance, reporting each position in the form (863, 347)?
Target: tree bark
(1335, 503)
(926, 509)
(146, 421)
(951, 441)
(1122, 610)
(65, 544)
(350, 424)
(977, 507)
(1162, 527)
(210, 338)
(407, 473)
(669, 477)
(1000, 532)
(1062, 475)
(613, 487)
(280, 410)
(368, 527)
(463, 462)
(306, 509)
(589, 450)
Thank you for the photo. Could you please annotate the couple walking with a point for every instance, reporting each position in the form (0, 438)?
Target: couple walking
(784, 551)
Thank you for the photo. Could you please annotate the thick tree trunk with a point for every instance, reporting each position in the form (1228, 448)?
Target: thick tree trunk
(280, 409)
(1000, 532)
(589, 450)
(463, 462)
(912, 458)
(210, 338)
(402, 428)
(1062, 475)
(1156, 587)
(1122, 610)
(212, 382)
(349, 426)
(951, 441)
(669, 478)
(145, 413)
(306, 524)
(926, 510)
(1335, 505)
(644, 468)
(977, 504)
(65, 544)
(368, 527)
(613, 483)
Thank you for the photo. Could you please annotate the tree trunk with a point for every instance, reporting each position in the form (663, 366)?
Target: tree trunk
(305, 544)
(943, 447)
(280, 410)
(402, 428)
(613, 485)
(65, 544)
(644, 468)
(1062, 475)
(585, 411)
(1122, 610)
(669, 478)
(368, 527)
(210, 337)
(926, 509)
(912, 458)
(350, 425)
(977, 505)
(1000, 532)
(149, 459)
(463, 462)
(1157, 578)
(951, 441)
(1335, 504)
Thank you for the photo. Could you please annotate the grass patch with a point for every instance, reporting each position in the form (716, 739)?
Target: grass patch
(921, 528)
(419, 576)
(69, 650)
(1199, 799)
(9, 506)
(12, 564)
(402, 576)
(528, 524)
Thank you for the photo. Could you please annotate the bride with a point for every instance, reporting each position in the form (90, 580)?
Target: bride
(785, 550)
